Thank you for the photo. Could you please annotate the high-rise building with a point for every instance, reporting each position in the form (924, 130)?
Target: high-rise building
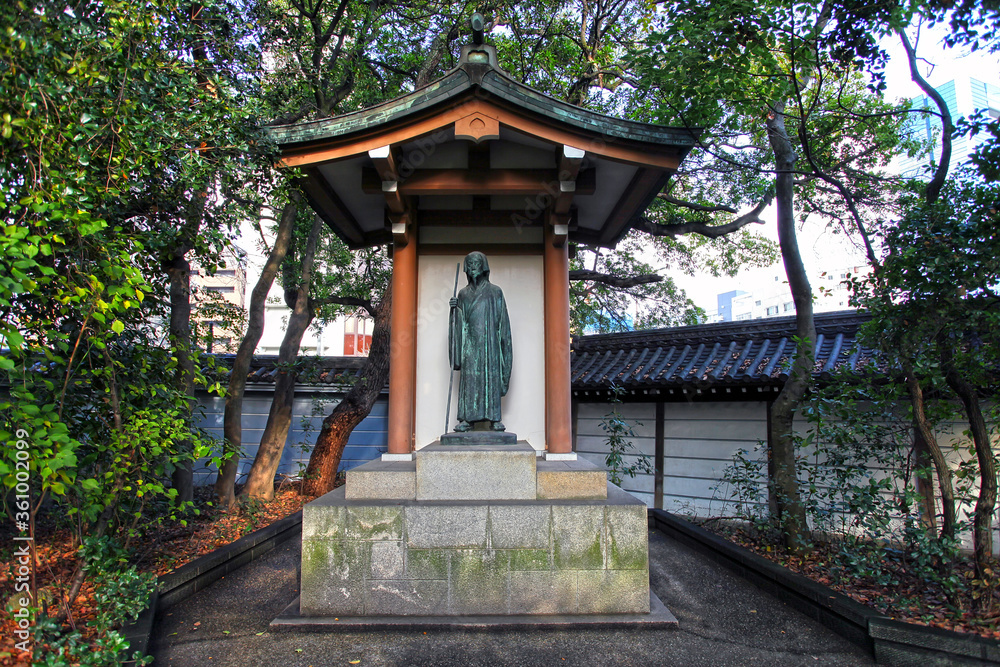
(218, 301)
(964, 96)
(773, 298)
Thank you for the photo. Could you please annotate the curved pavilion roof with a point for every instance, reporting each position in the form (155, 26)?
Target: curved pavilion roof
(478, 146)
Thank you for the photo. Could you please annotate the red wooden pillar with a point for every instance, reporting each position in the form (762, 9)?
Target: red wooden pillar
(403, 348)
(558, 403)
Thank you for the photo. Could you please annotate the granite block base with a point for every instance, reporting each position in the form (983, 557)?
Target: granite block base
(292, 620)
(482, 558)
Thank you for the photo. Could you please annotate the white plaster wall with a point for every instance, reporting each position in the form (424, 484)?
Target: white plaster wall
(520, 278)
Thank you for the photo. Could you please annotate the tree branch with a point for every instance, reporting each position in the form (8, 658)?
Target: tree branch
(673, 230)
(290, 117)
(347, 301)
(947, 128)
(693, 206)
(614, 281)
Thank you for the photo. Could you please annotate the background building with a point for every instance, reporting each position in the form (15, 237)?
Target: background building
(218, 302)
(348, 336)
(772, 297)
(964, 96)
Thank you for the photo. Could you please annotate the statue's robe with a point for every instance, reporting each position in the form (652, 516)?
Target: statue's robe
(479, 346)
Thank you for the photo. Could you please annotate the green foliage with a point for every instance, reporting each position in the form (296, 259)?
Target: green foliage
(938, 277)
(857, 480)
(121, 122)
(725, 69)
(121, 594)
(744, 481)
(619, 443)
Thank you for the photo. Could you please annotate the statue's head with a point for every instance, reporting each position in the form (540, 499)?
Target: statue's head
(476, 266)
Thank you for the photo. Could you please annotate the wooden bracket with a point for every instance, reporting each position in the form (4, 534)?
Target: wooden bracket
(386, 160)
(560, 229)
(400, 218)
(570, 162)
(400, 226)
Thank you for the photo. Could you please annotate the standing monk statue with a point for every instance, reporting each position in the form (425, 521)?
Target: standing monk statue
(479, 346)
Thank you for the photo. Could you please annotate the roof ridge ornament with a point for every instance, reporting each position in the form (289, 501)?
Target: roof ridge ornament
(478, 58)
(478, 25)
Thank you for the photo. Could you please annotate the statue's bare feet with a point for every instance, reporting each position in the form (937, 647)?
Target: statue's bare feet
(463, 427)
(498, 426)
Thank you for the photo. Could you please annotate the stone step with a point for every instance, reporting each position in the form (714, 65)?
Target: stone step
(504, 472)
(578, 479)
(484, 472)
(382, 480)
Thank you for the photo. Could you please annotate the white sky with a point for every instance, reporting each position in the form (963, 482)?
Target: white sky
(822, 250)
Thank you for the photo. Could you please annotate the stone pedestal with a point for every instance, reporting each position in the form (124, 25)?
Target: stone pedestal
(485, 472)
(478, 438)
(475, 531)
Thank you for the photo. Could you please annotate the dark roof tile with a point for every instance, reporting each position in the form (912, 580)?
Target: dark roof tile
(755, 352)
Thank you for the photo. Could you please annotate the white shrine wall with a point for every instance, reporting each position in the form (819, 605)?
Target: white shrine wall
(520, 277)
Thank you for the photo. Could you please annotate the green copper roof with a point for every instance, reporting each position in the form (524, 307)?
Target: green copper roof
(486, 81)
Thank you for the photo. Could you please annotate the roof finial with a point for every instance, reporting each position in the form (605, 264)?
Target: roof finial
(478, 24)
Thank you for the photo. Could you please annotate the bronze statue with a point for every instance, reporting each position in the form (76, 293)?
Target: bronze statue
(479, 346)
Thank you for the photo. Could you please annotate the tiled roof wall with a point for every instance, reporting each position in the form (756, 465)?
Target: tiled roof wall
(757, 352)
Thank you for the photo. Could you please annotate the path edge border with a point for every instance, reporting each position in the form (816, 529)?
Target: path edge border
(192, 577)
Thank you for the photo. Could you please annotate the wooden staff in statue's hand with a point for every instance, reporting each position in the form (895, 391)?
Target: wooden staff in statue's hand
(453, 302)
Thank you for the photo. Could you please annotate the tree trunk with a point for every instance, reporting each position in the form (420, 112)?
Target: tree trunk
(791, 512)
(260, 482)
(325, 458)
(179, 274)
(923, 462)
(923, 425)
(982, 523)
(225, 484)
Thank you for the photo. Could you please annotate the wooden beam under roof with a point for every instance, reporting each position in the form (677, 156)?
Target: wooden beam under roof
(401, 208)
(330, 207)
(386, 160)
(640, 192)
(492, 182)
(570, 161)
(481, 218)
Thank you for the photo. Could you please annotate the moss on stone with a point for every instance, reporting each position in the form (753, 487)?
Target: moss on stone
(427, 563)
(329, 522)
(577, 537)
(628, 545)
(375, 523)
(575, 554)
(529, 559)
(479, 581)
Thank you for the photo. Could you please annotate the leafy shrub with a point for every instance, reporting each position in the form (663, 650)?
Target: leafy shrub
(619, 442)
(121, 593)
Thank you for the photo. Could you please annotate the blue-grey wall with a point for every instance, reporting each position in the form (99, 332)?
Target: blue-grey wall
(311, 405)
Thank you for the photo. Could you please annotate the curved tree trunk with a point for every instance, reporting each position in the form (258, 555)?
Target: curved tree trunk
(923, 462)
(232, 427)
(260, 482)
(321, 473)
(948, 519)
(791, 512)
(179, 273)
(982, 522)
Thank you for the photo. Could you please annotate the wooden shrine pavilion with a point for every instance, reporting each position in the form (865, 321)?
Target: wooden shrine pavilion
(479, 161)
